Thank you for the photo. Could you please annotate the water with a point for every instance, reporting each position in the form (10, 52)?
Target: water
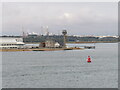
(62, 69)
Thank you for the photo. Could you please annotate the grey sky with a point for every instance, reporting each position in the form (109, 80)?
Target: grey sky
(77, 18)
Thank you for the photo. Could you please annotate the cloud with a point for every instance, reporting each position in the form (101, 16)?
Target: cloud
(73, 16)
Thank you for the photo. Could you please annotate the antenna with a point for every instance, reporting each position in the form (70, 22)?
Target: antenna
(41, 30)
(23, 33)
(47, 33)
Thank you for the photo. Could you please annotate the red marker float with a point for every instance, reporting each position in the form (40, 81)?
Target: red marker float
(89, 59)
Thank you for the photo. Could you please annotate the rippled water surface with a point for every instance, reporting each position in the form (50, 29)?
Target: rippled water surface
(62, 69)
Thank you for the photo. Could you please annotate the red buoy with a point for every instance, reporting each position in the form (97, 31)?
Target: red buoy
(89, 59)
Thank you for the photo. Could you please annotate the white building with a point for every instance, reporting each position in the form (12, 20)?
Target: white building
(11, 43)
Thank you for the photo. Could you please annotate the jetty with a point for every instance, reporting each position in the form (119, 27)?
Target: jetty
(41, 49)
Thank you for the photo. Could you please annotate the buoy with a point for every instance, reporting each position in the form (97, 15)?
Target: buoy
(89, 59)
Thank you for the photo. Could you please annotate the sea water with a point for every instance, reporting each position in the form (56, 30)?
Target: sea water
(62, 69)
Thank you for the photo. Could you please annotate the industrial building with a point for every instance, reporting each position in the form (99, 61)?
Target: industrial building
(49, 44)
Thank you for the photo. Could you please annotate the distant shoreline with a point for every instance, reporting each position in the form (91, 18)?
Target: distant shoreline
(77, 42)
(95, 42)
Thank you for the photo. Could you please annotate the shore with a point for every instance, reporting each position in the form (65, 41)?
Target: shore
(78, 42)
(41, 49)
(95, 42)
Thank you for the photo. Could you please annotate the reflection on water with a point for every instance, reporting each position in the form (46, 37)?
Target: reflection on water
(62, 69)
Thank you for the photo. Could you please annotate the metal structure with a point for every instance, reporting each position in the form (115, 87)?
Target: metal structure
(64, 32)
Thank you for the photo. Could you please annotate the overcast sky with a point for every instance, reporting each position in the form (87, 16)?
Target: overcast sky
(77, 18)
